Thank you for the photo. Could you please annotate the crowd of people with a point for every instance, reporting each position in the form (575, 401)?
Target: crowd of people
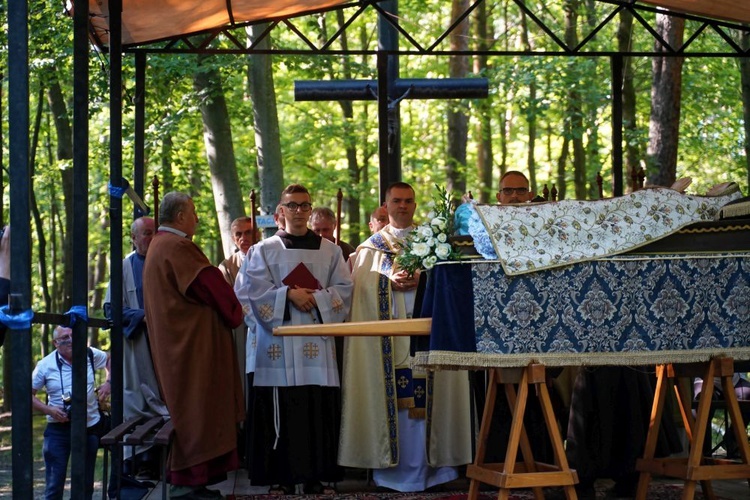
(199, 348)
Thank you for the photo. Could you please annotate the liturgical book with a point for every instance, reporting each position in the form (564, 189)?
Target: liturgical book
(301, 277)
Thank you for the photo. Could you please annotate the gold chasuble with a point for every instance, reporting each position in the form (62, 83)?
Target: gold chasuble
(373, 376)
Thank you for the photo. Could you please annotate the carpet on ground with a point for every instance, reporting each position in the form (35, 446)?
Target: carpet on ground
(656, 492)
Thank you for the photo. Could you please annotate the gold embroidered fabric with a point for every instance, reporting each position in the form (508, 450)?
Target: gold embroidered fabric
(532, 237)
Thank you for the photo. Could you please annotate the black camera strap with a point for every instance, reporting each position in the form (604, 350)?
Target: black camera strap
(60, 363)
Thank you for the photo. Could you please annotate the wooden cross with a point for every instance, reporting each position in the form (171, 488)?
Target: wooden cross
(389, 90)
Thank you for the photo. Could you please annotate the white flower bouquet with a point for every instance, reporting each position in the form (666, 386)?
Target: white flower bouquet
(429, 243)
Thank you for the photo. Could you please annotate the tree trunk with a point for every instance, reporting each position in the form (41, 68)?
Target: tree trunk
(745, 78)
(61, 118)
(458, 120)
(506, 110)
(561, 162)
(531, 111)
(593, 162)
(630, 126)
(97, 275)
(41, 238)
(574, 109)
(484, 111)
(217, 137)
(351, 197)
(666, 92)
(265, 116)
(167, 178)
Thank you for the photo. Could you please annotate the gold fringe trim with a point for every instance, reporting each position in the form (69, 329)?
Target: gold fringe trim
(458, 243)
(450, 360)
(725, 229)
(405, 403)
(737, 210)
(417, 413)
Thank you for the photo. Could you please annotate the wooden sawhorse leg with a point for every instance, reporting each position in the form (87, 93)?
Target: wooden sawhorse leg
(695, 468)
(529, 473)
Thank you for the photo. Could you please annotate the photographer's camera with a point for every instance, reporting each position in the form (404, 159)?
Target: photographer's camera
(67, 400)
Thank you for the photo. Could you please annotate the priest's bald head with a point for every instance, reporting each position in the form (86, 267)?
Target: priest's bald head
(514, 188)
(177, 211)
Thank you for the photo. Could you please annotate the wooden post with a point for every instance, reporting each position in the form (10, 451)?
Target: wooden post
(155, 185)
(339, 198)
(545, 193)
(599, 182)
(554, 193)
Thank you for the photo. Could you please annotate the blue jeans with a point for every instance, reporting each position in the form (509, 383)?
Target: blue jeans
(56, 453)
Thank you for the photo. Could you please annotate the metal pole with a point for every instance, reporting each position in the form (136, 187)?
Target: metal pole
(80, 244)
(115, 212)
(20, 272)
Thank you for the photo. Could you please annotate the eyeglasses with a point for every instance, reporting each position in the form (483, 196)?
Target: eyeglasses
(510, 191)
(305, 207)
(66, 339)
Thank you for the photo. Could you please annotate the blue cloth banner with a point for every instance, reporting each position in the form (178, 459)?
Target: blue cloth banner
(20, 321)
(115, 191)
(77, 312)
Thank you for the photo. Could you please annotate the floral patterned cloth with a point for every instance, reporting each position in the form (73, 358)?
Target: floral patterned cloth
(537, 236)
(624, 310)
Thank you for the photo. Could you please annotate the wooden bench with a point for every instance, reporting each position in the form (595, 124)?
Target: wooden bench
(140, 431)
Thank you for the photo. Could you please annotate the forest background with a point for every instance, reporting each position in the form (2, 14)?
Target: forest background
(219, 126)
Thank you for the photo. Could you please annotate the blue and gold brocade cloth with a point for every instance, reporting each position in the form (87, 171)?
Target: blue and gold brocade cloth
(624, 310)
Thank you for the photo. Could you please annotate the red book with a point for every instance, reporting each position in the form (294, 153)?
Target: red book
(301, 277)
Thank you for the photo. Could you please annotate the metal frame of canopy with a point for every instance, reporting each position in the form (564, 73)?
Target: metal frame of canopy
(18, 75)
(142, 20)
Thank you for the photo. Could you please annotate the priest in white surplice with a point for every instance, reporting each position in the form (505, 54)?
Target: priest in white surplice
(296, 417)
(409, 448)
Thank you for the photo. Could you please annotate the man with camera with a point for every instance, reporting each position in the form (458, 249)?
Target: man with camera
(55, 372)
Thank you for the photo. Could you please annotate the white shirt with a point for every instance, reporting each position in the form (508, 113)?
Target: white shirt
(47, 374)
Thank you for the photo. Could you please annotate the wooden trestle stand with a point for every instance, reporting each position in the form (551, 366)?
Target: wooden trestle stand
(528, 473)
(695, 468)
(507, 475)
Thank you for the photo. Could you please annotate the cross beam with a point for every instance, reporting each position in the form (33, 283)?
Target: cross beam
(411, 88)
(396, 89)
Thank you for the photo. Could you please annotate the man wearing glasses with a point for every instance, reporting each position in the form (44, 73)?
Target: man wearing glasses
(514, 188)
(55, 372)
(295, 278)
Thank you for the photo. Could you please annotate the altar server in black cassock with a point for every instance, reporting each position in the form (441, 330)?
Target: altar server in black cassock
(296, 413)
